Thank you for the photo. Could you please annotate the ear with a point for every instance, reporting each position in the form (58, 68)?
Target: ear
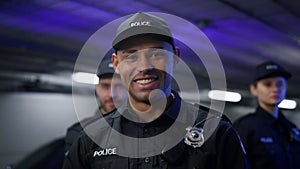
(253, 90)
(176, 55)
(115, 62)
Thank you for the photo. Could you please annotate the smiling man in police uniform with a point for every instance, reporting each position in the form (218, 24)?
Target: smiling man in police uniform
(155, 128)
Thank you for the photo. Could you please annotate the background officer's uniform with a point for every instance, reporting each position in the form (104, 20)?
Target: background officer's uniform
(276, 141)
(74, 131)
(271, 143)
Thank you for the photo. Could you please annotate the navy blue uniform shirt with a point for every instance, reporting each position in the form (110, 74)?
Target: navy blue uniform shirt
(268, 141)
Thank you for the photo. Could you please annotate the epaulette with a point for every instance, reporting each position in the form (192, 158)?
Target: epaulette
(215, 113)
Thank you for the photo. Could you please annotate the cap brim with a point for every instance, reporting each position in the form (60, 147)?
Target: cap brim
(105, 75)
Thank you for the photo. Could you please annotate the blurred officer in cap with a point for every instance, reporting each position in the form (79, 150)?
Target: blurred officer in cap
(270, 140)
(154, 128)
(109, 90)
(110, 93)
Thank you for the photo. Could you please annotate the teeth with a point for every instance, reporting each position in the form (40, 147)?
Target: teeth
(145, 81)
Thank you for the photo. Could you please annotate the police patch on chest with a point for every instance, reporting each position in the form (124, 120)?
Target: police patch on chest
(105, 152)
(194, 137)
(266, 139)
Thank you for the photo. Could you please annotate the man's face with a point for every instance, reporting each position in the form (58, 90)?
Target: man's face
(111, 93)
(270, 91)
(145, 64)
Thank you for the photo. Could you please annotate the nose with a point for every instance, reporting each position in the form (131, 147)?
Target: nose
(144, 64)
(108, 91)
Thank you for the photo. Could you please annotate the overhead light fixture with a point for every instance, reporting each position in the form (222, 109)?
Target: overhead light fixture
(87, 78)
(288, 104)
(224, 96)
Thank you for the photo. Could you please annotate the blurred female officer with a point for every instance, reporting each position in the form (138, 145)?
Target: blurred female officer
(270, 140)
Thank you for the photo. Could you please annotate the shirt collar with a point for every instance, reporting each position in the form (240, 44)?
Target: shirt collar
(172, 111)
(260, 111)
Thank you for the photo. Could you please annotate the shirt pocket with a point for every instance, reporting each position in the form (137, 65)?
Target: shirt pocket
(266, 145)
(109, 162)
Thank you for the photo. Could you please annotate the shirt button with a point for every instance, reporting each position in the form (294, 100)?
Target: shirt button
(147, 160)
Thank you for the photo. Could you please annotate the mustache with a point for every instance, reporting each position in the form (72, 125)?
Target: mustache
(109, 100)
(150, 72)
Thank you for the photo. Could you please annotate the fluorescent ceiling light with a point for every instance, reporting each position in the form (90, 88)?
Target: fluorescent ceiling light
(288, 104)
(224, 96)
(87, 78)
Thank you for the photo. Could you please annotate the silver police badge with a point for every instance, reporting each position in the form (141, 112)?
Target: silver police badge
(194, 137)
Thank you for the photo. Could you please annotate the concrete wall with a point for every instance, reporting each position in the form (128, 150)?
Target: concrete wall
(30, 120)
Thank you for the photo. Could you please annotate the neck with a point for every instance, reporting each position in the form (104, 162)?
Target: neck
(102, 111)
(273, 110)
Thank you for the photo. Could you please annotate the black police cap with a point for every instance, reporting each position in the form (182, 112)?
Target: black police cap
(106, 66)
(270, 69)
(142, 23)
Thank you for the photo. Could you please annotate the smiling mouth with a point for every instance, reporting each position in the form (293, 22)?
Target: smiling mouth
(145, 81)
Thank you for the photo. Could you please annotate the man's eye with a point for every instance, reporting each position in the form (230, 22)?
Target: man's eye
(105, 86)
(131, 57)
(159, 53)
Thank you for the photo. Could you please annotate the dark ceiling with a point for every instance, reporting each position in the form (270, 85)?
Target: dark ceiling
(41, 40)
